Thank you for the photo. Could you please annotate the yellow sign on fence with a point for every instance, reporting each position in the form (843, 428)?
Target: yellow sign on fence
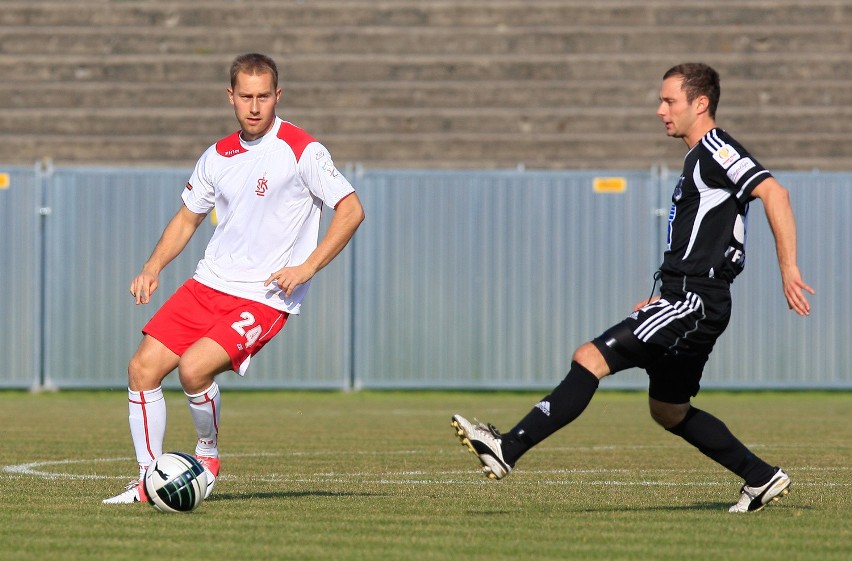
(610, 185)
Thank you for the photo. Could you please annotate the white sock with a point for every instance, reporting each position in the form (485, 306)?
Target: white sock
(147, 425)
(204, 408)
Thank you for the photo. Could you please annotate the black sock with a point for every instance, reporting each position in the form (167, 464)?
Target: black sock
(563, 405)
(712, 437)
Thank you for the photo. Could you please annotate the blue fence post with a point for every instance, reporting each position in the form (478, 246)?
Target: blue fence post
(44, 178)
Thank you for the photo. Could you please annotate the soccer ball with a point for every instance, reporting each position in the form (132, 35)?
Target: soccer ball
(175, 482)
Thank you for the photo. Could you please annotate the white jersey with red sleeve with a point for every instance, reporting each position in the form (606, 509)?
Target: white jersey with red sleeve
(268, 195)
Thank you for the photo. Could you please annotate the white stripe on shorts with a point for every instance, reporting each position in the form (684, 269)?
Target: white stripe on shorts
(667, 314)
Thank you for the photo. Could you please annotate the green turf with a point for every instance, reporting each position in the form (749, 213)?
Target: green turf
(379, 475)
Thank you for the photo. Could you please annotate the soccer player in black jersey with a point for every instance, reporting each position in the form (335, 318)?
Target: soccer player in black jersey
(671, 336)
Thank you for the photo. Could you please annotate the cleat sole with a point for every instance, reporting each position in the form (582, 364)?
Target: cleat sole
(467, 444)
(783, 493)
(464, 440)
(777, 498)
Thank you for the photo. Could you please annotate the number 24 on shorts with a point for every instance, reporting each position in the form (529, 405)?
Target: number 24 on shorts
(243, 327)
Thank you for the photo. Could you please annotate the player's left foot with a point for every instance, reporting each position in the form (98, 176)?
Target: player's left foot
(755, 498)
(211, 470)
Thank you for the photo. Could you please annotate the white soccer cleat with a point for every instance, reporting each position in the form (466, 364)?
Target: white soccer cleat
(755, 498)
(133, 493)
(485, 441)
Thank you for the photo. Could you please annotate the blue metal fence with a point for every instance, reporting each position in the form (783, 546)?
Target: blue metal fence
(468, 279)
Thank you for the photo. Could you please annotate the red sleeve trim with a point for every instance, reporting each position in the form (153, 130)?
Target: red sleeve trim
(230, 146)
(341, 199)
(295, 137)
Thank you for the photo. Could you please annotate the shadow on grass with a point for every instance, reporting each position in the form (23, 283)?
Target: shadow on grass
(709, 506)
(706, 507)
(285, 495)
(697, 507)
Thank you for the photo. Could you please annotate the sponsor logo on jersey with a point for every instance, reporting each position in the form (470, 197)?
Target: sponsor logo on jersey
(328, 167)
(188, 186)
(735, 255)
(544, 407)
(262, 187)
(726, 155)
(737, 170)
(230, 146)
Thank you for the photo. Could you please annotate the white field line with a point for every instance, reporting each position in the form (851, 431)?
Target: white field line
(566, 476)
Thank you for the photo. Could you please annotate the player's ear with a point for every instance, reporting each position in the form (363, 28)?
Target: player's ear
(230, 95)
(702, 103)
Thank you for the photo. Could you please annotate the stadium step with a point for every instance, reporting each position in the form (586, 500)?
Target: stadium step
(395, 83)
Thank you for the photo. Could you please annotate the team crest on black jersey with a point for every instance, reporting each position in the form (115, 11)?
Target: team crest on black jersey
(678, 192)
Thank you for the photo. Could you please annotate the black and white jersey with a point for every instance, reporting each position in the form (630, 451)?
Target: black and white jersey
(708, 217)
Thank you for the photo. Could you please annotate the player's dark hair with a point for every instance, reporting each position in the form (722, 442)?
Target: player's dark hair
(253, 64)
(698, 79)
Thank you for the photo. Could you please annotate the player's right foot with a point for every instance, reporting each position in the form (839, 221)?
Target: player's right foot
(755, 498)
(485, 441)
(133, 493)
(211, 470)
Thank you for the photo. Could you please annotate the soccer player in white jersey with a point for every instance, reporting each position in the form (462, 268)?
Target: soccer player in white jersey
(268, 183)
(671, 336)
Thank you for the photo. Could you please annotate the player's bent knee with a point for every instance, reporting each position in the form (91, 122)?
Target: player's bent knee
(590, 358)
(150, 364)
(194, 378)
(662, 419)
(192, 381)
(582, 355)
(668, 415)
(142, 375)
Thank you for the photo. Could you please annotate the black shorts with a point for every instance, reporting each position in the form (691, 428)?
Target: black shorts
(671, 338)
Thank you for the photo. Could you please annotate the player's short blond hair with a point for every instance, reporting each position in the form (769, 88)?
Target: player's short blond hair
(253, 64)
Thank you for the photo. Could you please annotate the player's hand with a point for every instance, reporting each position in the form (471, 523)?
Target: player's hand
(143, 286)
(794, 289)
(644, 303)
(289, 278)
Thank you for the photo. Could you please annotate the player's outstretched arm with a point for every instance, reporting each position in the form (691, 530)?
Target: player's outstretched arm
(175, 237)
(779, 213)
(348, 215)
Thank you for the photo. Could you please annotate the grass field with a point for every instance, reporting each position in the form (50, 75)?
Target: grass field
(379, 475)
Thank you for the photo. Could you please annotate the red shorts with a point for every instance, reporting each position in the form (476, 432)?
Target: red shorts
(242, 327)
